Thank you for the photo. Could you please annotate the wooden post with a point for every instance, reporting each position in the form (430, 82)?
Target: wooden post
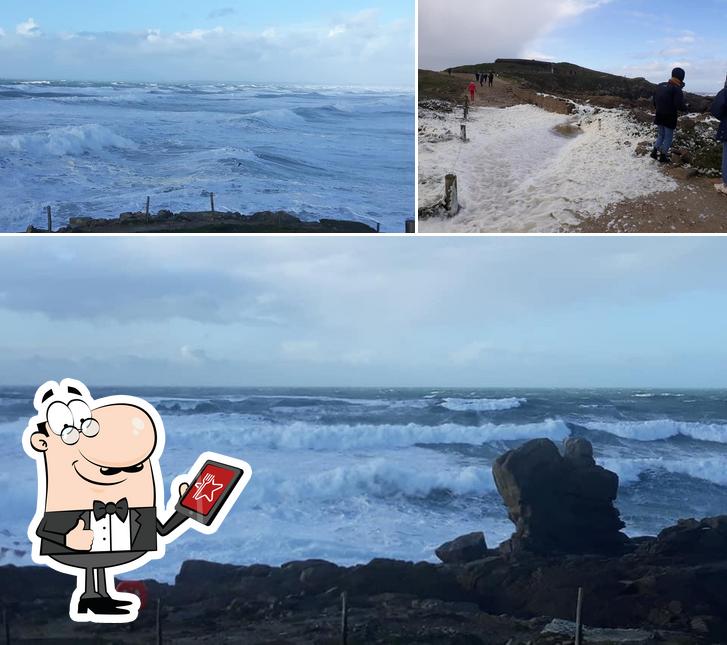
(411, 226)
(159, 621)
(212, 202)
(147, 207)
(451, 201)
(378, 227)
(579, 611)
(50, 220)
(466, 107)
(463, 132)
(344, 618)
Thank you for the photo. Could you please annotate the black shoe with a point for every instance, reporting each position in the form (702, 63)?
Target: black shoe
(664, 159)
(102, 606)
(654, 154)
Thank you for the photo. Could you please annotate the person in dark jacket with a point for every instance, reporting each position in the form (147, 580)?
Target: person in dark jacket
(491, 78)
(719, 111)
(668, 101)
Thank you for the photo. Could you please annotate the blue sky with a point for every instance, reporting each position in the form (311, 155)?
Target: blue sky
(317, 41)
(629, 37)
(577, 312)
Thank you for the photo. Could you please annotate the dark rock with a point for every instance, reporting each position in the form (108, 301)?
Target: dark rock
(692, 539)
(466, 548)
(559, 504)
(643, 148)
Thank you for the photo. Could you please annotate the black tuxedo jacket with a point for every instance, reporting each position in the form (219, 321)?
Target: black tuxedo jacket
(145, 526)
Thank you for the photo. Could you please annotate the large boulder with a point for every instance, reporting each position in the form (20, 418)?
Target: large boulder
(692, 540)
(461, 550)
(559, 503)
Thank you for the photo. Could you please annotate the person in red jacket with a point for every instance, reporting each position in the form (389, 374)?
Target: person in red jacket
(473, 89)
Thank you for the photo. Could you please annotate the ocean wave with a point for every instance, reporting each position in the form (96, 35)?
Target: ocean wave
(244, 404)
(261, 433)
(377, 478)
(711, 469)
(70, 140)
(482, 405)
(660, 429)
(282, 117)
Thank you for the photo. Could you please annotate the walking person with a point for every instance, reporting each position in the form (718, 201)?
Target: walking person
(719, 111)
(668, 101)
(492, 78)
(473, 91)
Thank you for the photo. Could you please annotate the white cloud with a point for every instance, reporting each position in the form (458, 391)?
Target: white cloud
(2, 32)
(460, 32)
(192, 355)
(29, 29)
(327, 51)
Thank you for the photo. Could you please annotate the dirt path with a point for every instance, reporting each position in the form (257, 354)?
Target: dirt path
(500, 95)
(695, 207)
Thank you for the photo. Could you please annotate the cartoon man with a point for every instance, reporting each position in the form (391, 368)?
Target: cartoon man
(99, 503)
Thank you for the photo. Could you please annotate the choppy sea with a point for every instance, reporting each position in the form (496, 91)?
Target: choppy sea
(352, 474)
(99, 149)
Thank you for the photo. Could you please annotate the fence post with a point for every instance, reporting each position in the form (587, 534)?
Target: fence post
(466, 108)
(212, 202)
(50, 220)
(147, 207)
(579, 610)
(159, 621)
(451, 201)
(463, 132)
(344, 618)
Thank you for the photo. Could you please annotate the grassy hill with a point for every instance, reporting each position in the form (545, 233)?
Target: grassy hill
(433, 85)
(573, 81)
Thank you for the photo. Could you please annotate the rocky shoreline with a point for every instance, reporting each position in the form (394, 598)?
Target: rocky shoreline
(208, 222)
(670, 588)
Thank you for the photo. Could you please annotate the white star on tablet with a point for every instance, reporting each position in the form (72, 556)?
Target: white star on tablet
(207, 483)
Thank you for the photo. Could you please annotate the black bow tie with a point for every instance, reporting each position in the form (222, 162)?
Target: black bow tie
(120, 509)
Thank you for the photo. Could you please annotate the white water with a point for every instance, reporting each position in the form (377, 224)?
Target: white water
(99, 149)
(516, 175)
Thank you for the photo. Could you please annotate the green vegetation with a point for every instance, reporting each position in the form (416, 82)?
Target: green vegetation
(433, 85)
(572, 81)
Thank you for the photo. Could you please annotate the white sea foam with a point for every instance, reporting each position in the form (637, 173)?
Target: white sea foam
(252, 431)
(659, 429)
(516, 175)
(712, 469)
(70, 140)
(483, 405)
(378, 478)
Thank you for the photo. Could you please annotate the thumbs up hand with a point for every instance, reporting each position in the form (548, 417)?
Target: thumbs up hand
(79, 538)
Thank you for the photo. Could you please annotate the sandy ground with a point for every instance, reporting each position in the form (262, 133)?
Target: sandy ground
(695, 207)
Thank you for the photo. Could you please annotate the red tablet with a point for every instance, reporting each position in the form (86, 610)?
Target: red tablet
(208, 492)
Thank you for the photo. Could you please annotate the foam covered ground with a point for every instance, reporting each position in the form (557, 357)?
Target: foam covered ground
(517, 175)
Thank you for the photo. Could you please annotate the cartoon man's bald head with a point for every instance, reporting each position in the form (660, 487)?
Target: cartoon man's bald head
(94, 451)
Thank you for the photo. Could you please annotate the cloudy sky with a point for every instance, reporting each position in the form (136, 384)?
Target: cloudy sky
(628, 37)
(383, 312)
(317, 41)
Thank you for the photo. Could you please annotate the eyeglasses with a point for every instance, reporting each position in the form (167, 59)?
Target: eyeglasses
(70, 421)
(89, 428)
